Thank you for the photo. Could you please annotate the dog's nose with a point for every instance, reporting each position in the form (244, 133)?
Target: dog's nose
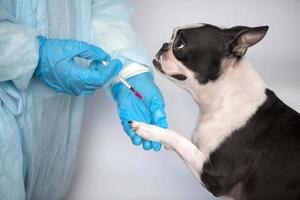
(165, 47)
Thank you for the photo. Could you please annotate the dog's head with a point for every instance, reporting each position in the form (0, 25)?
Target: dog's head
(197, 53)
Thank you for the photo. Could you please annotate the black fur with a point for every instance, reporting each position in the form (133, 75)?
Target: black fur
(203, 52)
(260, 161)
(206, 47)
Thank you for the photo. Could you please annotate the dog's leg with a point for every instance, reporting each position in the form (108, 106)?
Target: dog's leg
(188, 152)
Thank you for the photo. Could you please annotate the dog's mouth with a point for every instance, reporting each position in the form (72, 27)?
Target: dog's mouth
(179, 77)
(157, 66)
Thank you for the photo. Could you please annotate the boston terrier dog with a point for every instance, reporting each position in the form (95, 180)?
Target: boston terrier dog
(246, 142)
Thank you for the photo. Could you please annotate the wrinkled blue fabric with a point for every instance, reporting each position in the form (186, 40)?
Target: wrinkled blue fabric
(39, 128)
(149, 109)
(58, 69)
(111, 25)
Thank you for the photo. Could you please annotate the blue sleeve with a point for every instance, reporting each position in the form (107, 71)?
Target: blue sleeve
(18, 50)
(111, 30)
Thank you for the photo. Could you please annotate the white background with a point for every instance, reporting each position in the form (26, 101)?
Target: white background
(109, 167)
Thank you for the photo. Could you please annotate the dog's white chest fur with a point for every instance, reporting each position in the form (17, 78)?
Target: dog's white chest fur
(230, 102)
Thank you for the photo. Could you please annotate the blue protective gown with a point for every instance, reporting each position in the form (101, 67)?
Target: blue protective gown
(39, 128)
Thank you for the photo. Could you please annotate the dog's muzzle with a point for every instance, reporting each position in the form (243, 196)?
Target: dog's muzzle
(165, 47)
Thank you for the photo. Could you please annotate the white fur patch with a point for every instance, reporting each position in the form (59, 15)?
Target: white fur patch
(226, 104)
(188, 152)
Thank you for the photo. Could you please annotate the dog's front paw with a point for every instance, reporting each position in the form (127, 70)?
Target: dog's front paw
(147, 131)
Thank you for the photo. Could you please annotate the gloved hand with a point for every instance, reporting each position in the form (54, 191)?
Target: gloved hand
(149, 110)
(58, 69)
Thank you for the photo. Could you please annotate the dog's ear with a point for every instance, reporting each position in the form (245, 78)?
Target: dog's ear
(242, 37)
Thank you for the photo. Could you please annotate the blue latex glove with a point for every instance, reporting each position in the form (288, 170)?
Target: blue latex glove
(149, 110)
(58, 69)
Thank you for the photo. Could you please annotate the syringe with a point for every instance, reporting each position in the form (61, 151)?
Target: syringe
(123, 80)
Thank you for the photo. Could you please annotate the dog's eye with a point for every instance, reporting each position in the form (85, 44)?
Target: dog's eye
(179, 45)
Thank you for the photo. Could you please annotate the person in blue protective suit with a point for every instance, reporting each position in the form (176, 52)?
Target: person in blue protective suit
(49, 59)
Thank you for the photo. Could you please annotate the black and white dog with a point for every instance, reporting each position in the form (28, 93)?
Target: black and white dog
(246, 143)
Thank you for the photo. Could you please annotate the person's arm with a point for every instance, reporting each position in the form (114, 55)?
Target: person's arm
(18, 51)
(111, 31)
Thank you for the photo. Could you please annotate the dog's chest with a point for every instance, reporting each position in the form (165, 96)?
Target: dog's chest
(211, 131)
(208, 136)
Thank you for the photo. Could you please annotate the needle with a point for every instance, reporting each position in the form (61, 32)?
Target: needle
(123, 80)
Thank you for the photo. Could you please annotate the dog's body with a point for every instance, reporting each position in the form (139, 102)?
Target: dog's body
(246, 143)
